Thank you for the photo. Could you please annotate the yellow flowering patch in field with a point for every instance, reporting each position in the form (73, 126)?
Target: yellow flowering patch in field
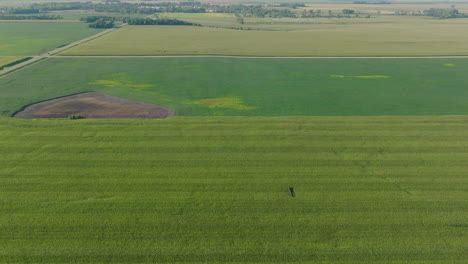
(360, 76)
(108, 83)
(120, 79)
(226, 102)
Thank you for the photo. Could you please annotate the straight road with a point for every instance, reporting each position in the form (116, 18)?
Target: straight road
(55, 51)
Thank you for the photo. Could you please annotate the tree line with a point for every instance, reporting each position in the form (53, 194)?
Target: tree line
(444, 13)
(109, 22)
(261, 11)
(114, 6)
(163, 7)
(124, 8)
(30, 17)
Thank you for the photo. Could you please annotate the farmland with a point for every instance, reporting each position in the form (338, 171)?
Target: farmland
(279, 87)
(261, 155)
(9, 59)
(215, 190)
(395, 37)
(33, 38)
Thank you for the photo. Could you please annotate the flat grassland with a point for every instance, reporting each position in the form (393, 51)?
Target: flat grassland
(5, 60)
(252, 87)
(395, 37)
(215, 190)
(26, 38)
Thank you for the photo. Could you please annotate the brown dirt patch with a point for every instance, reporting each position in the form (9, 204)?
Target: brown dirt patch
(94, 105)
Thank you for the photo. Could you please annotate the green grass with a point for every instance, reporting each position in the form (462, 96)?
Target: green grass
(252, 87)
(33, 38)
(396, 37)
(9, 59)
(215, 190)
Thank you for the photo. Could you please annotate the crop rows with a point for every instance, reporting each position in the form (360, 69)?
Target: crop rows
(211, 190)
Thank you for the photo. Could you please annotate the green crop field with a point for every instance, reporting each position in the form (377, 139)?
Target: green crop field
(252, 87)
(33, 38)
(9, 59)
(216, 190)
(408, 37)
(375, 149)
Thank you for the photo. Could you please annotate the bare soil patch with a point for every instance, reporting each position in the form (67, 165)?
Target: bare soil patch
(94, 105)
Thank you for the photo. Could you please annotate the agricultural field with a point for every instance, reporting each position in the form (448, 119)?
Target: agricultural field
(256, 158)
(34, 38)
(252, 87)
(229, 21)
(9, 59)
(216, 190)
(399, 36)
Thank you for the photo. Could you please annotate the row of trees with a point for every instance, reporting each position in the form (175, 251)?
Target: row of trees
(24, 11)
(166, 7)
(109, 22)
(253, 11)
(30, 17)
(14, 63)
(173, 7)
(159, 21)
(115, 6)
(124, 8)
(345, 13)
(102, 24)
(444, 13)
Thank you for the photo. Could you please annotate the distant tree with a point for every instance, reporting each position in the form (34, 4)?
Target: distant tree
(347, 11)
(101, 23)
(240, 20)
(30, 17)
(25, 11)
(443, 13)
(159, 21)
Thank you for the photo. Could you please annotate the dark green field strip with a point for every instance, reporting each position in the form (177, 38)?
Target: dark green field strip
(330, 136)
(215, 190)
(255, 87)
(178, 142)
(373, 122)
(12, 150)
(236, 188)
(228, 163)
(331, 156)
(280, 249)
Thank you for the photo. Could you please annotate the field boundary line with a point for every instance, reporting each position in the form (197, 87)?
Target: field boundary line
(55, 51)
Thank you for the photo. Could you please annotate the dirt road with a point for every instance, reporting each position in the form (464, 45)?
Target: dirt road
(55, 51)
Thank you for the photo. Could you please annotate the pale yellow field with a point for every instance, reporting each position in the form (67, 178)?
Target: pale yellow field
(387, 36)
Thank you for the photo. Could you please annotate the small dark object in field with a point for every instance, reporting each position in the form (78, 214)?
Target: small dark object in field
(292, 191)
(73, 117)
